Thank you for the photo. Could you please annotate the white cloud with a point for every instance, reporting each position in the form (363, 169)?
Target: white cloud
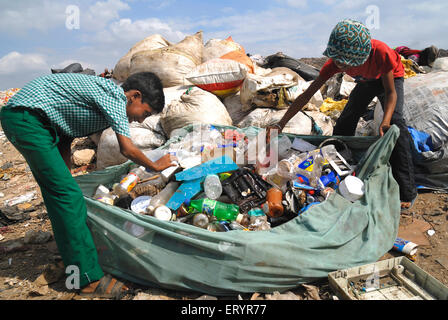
(15, 62)
(99, 15)
(121, 35)
(16, 69)
(295, 3)
(19, 17)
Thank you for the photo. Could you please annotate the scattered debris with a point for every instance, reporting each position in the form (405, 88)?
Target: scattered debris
(37, 237)
(52, 273)
(443, 261)
(282, 296)
(14, 246)
(312, 292)
(21, 199)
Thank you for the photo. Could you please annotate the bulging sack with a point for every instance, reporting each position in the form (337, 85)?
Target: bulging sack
(123, 67)
(221, 77)
(235, 109)
(303, 123)
(172, 63)
(146, 136)
(216, 48)
(196, 106)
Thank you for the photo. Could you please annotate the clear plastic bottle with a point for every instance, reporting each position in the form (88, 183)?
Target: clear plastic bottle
(163, 197)
(212, 187)
(288, 167)
(129, 182)
(236, 226)
(318, 163)
(104, 195)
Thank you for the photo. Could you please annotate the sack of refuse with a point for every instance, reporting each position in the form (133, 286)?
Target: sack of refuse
(171, 63)
(123, 67)
(235, 108)
(441, 64)
(216, 48)
(425, 102)
(269, 90)
(146, 136)
(196, 106)
(303, 123)
(222, 77)
(279, 59)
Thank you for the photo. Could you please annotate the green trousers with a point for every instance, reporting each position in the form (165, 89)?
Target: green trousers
(37, 141)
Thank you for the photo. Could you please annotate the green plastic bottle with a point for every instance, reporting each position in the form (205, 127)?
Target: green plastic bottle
(222, 211)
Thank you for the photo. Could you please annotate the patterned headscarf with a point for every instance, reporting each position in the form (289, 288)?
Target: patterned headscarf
(350, 43)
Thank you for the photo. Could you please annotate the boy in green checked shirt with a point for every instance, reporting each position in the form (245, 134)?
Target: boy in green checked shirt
(42, 120)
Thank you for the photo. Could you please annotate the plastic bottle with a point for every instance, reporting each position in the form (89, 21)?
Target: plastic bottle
(287, 167)
(236, 226)
(129, 182)
(222, 211)
(163, 197)
(273, 206)
(103, 194)
(201, 220)
(318, 163)
(212, 186)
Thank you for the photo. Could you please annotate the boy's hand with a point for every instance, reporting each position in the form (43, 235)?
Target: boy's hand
(165, 162)
(384, 127)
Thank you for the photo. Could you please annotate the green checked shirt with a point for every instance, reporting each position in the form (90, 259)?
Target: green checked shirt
(76, 104)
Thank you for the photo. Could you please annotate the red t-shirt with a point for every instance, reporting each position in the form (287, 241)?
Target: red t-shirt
(382, 60)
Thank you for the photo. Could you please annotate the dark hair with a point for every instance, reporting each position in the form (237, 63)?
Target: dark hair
(150, 86)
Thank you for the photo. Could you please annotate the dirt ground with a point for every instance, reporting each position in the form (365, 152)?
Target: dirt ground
(31, 269)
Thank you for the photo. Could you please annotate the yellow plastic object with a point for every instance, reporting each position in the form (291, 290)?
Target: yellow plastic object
(330, 105)
(407, 63)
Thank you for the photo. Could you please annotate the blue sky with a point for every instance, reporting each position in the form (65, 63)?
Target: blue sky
(35, 37)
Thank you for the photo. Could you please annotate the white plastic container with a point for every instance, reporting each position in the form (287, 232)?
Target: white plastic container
(140, 204)
(163, 213)
(352, 188)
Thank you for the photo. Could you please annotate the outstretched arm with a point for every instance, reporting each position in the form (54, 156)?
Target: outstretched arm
(390, 102)
(298, 104)
(130, 151)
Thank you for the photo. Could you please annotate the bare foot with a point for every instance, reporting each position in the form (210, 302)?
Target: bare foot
(406, 205)
(107, 289)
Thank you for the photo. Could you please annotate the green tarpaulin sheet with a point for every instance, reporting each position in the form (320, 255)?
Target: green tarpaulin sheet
(336, 234)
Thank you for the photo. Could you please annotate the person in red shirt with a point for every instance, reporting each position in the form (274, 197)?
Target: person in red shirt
(379, 72)
(425, 57)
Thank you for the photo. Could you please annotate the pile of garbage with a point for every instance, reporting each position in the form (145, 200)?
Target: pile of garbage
(208, 189)
(6, 95)
(217, 83)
